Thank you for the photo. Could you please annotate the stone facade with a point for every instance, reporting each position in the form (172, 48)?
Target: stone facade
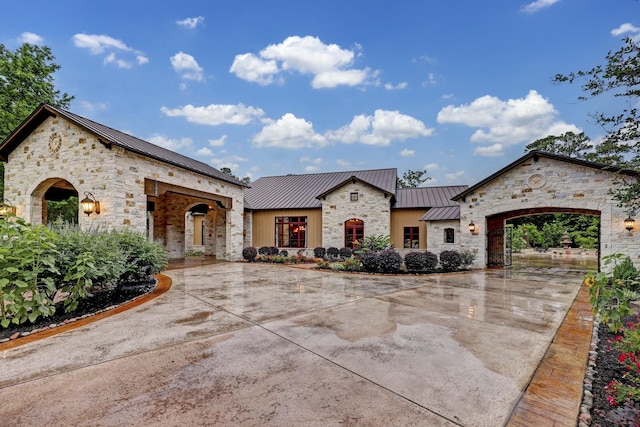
(538, 183)
(436, 236)
(59, 149)
(372, 207)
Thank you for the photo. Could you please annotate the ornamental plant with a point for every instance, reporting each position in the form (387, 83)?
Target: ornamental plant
(450, 260)
(319, 252)
(389, 261)
(249, 253)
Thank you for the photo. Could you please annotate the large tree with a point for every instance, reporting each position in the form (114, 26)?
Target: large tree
(620, 77)
(26, 80)
(412, 179)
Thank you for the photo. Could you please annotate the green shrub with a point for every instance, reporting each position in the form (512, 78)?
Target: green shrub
(352, 264)
(337, 267)
(250, 253)
(370, 261)
(143, 258)
(389, 261)
(323, 264)
(450, 260)
(345, 253)
(625, 270)
(319, 252)
(374, 243)
(467, 258)
(417, 261)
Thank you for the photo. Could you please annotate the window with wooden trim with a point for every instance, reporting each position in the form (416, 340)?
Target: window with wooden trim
(412, 237)
(291, 231)
(354, 197)
(449, 235)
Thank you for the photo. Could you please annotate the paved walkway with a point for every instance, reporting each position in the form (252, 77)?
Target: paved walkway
(242, 344)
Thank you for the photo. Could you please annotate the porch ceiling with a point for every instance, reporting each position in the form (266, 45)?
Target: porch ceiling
(157, 188)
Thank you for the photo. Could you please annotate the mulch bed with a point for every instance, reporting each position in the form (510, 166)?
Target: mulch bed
(95, 303)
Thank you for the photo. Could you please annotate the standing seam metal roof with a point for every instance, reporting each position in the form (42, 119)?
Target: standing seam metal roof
(427, 197)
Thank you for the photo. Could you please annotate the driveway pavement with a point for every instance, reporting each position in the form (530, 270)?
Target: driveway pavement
(252, 344)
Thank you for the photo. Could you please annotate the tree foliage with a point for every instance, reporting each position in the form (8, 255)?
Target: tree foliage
(412, 179)
(227, 171)
(26, 80)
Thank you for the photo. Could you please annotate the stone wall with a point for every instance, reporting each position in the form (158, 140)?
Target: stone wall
(116, 179)
(372, 207)
(548, 183)
(436, 239)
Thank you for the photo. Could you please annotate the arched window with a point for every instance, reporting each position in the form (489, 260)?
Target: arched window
(353, 232)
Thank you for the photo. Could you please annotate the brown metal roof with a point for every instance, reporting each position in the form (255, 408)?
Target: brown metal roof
(535, 155)
(302, 191)
(427, 197)
(109, 136)
(442, 213)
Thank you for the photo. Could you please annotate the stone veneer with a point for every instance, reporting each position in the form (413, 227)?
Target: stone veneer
(435, 236)
(116, 179)
(563, 185)
(372, 207)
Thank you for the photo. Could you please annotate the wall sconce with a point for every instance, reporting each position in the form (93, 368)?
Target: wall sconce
(90, 204)
(629, 223)
(7, 208)
(472, 228)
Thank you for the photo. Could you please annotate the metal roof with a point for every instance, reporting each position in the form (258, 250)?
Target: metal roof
(109, 136)
(442, 213)
(302, 191)
(535, 155)
(427, 197)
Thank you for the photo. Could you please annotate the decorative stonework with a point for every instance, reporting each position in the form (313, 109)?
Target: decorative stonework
(55, 142)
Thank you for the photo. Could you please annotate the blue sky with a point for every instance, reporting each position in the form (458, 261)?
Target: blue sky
(277, 87)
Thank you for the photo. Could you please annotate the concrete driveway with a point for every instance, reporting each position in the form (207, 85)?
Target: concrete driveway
(254, 344)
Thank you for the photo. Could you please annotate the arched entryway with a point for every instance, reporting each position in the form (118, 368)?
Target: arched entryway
(499, 238)
(54, 199)
(353, 232)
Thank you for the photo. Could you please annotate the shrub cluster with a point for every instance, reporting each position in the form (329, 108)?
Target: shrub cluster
(37, 262)
(420, 261)
(450, 260)
(384, 261)
(319, 252)
(249, 253)
(268, 250)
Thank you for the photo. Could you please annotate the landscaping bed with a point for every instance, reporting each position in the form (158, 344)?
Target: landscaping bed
(93, 304)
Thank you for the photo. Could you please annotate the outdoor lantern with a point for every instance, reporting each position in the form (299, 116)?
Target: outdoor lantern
(90, 204)
(629, 223)
(7, 208)
(472, 227)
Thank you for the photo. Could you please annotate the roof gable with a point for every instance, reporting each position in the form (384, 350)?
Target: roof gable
(427, 197)
(303, 191)
(108, 137)
(535, 155)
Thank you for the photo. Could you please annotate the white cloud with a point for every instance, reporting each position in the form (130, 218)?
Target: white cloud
(191, 23)
(100, 44)
(205, 152)
(399, 86)
(289, 132)
(89, 106)
(494, 150)
(216, 114)
(455, 176)
(380, 129)
(330, 65)
(231, 162)
(538, 5)
(627, 28)
(310, 169)
(507, 123)
(432, 166)
(30, 38)
(253, 69)
(218, 142)
(407, 153)
(343, 163)
(307, 159)
(431, 80)
(187, 66)
(171, 144)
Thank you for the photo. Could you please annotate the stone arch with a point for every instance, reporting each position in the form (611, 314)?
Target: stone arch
(54, 188)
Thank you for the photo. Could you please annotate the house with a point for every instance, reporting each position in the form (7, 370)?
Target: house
(339, 208)
(186, 204)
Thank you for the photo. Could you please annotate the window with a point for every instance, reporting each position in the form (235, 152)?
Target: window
(411, 239)
(449, 235)
(353, 233)
(354, 197)
(291, 231)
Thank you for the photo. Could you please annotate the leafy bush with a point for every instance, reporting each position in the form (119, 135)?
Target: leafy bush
(249, 253)
(143, 258)
(264, 250)
(369, 260)
(323, 264)
(273, 251)
(332, 253)
(337, 267)
(319, 252)
(450, 260)
(418, 261)
(345, 253)
(374, 243)
(352, 264)
(389, 261)
(625, 271)
(432, 260)
(284, 253)
(467, 258)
